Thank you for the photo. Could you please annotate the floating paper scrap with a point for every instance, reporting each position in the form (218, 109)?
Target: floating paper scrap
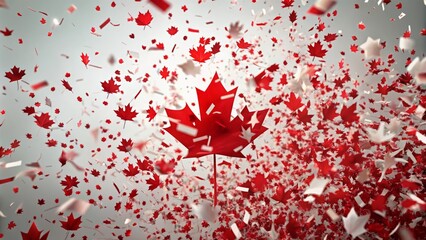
(354, 224)
(10, 164)
(74, 204)
(317, 186)
(417, 68)
(380, 135)
(406, 43)
(205, 211)
(321, 6)
(236, 231)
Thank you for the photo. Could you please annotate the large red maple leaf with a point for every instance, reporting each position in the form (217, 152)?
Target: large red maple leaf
(316, 50)
(144, 19)
(199, 54)
(215, 132)
(34, 234)
(72, 224)
(15, 74)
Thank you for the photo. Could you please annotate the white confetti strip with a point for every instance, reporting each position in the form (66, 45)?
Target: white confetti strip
(187, 130)
(236, 231)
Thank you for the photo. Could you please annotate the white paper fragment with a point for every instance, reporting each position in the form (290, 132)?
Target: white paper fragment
(237, 149)
(421, 137)
(406, 43)
(317, 186)
(187, 130)
(332, 214)
(198, 139)
(210, 109)
(401, 15)
(242, 189)
(206, 148)
(127, 221)
(2, 214)
(379, 135)
(236, 231)
(371, 48)
(227, 96)
(246, 217)
(74, 204)
(359, 201)
(205, 210)
(354, 224)
(13, 164)
(417, 68)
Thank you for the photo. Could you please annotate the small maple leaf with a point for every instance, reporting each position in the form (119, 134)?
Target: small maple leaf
(348, 114)
(153, 182)
(6, 32)
(214, 132)
(242, 44)
(72, 224)
(316, 50)
(110, 86)
(151, 113)
(164, 73)
(330, 37)
(329, 112)
(172, 31)
(293, 102)
(69, 182)
(126, 145)
(15, 74)
(126, 113)
(281, 195)
(34, 234)
(287, 3)
(215, 48)
(303, 116)
(293, 16)
(131, 170)
(43, 120)
(85, 59)
(200, 54)
(144, 19)
(29, 110)
(66, 85)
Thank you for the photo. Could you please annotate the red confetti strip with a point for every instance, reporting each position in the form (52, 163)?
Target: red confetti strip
(161, 4)
(193, 30)
(39, 85)
(6, 180)
(105, 23)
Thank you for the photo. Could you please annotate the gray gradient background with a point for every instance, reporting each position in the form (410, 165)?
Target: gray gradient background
(73, 37)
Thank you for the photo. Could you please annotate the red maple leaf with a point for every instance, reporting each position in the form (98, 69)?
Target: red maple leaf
(15, 74)
(293, 16)
(126, 113)
(348, 114)
(72, 224)
(165, 167)
(6, 32)
(126, 145)
(110, 86)
(214, 132)
(303, 115)
(144, 19)
(242, 44)
(69, 182)
(293, 102)
(287, 3)
(151, 113)
(153, 182)
(281, 195)
(85, 59)
(200, 54)
(34, 234)
(262, 80)
(216, 48)
(67, 85)
(172, 31)
(43, 120)
(131, 170)
(316, 50)
(164, 72)
(329, 112)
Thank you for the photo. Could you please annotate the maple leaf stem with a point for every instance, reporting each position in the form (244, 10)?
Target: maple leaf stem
(215, 182)
(124, 125)
(68, 233)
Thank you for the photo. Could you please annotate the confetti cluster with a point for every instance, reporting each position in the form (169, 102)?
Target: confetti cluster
(203, 119)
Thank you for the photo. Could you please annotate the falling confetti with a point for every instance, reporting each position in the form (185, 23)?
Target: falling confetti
(189, 119)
